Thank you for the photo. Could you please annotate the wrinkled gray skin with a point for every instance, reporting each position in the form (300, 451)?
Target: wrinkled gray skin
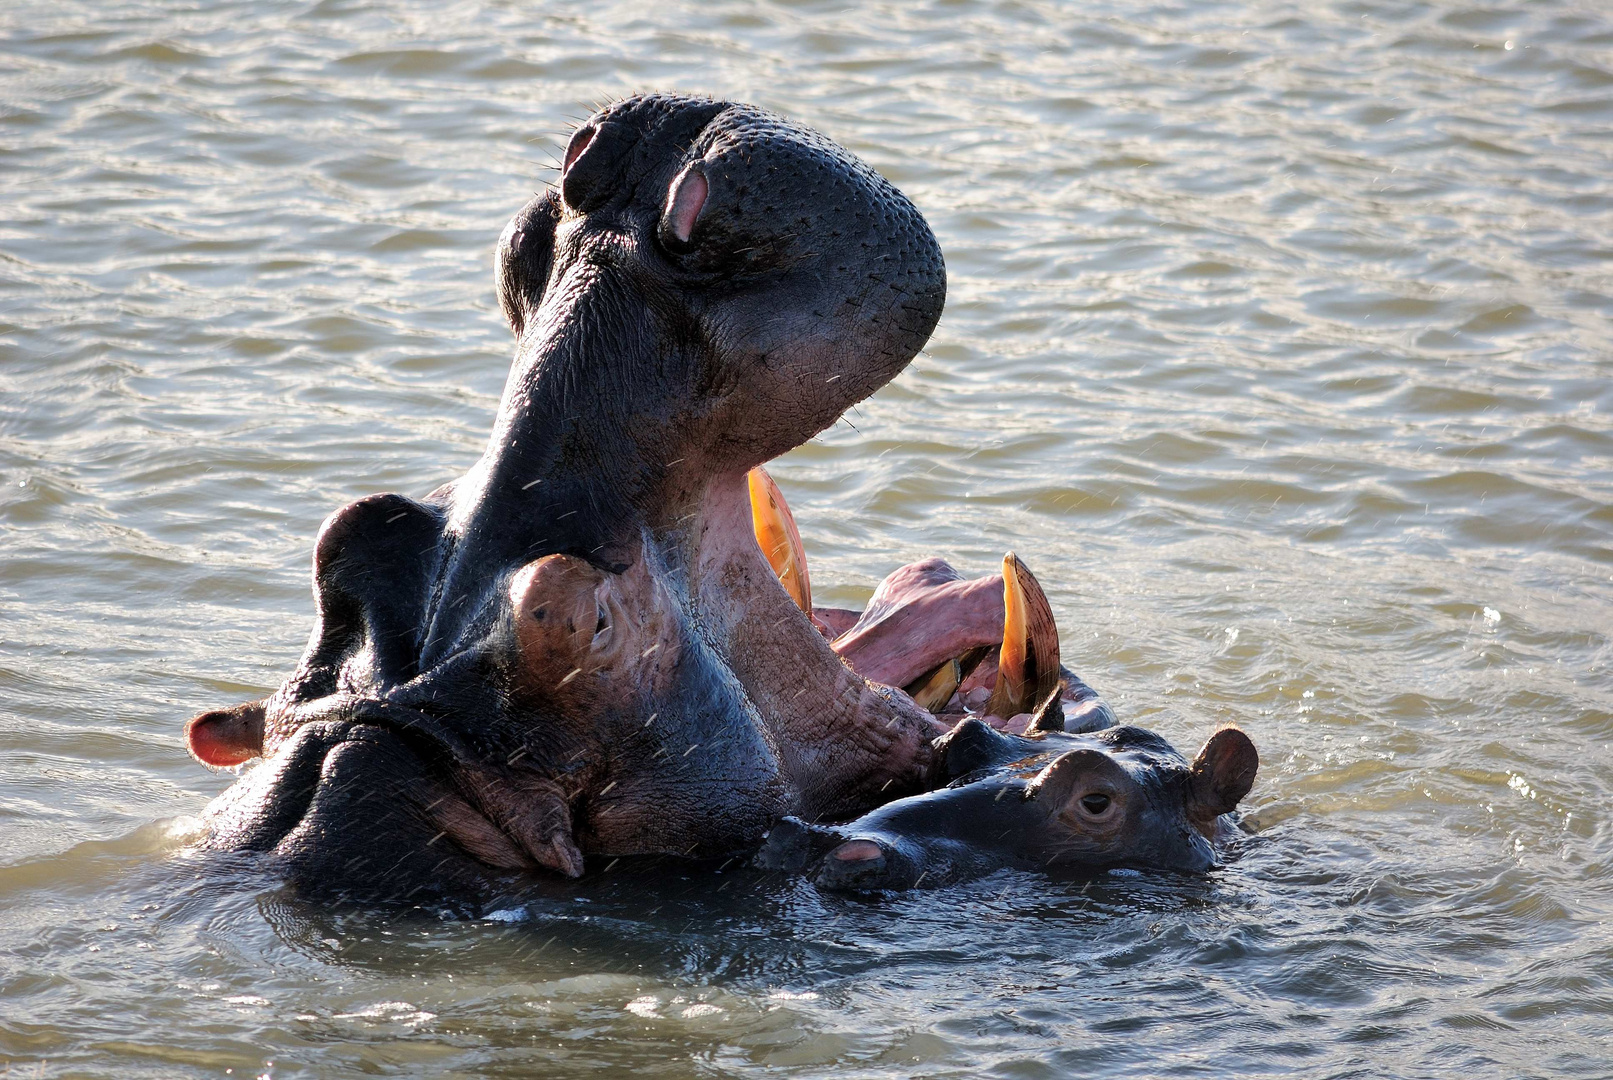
(1083, 800)
(576, 649)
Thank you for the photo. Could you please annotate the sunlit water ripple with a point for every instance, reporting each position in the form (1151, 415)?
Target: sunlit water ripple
(1277, 343)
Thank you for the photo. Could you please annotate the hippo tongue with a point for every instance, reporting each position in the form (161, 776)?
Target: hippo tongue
(922, 615)
(926, 627)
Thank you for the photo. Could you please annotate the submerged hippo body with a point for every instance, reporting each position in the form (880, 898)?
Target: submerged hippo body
(577, 648)
(1048, 800)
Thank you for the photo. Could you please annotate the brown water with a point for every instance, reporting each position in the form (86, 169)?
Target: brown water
(1278, 343)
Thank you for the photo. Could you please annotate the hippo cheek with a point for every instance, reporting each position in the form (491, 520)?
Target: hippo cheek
(1094, 810)
(360, 806)
(588, 641)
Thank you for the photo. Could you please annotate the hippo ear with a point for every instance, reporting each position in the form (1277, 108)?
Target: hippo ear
(1222, 774)
(971, 744)
(225, 737)
(1049, 714)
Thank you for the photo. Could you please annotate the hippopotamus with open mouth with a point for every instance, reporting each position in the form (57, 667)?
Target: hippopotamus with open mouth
(600, 641)
(578, 647)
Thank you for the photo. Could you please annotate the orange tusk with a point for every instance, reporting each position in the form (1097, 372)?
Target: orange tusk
(1028, 666)
(778, 537)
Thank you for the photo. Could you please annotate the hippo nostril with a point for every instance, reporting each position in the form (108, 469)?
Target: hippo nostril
(579, 142)
(857, 851)
(517, 241)
(592, 168)
(684, 202)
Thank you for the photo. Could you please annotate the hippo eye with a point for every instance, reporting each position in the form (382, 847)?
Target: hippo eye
(602, 620)
(1095, 804)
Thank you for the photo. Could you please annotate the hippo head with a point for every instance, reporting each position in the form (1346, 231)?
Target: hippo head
(1120, 796)
(578, 648)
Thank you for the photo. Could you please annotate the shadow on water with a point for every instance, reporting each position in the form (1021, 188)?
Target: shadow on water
(672, 918)
(709, 968)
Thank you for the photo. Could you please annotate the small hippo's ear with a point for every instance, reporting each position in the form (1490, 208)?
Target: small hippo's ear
(971, 744)
(1049, 714)
(1222, 774)
(225, 737)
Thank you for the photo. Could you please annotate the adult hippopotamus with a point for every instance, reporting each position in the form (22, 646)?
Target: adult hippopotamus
(578, 648)
(1049, 799)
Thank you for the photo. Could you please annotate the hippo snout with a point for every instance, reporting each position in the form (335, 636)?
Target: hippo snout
(864, 864)
(839, 860)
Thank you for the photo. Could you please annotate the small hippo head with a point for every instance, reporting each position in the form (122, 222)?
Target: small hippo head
(1122, 796)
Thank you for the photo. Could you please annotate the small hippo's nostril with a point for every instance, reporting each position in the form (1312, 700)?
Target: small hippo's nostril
(517, 241)
(857, 851)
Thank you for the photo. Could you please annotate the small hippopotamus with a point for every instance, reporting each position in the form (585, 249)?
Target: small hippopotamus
(1049, 799)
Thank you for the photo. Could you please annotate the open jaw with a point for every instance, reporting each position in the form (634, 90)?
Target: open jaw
(578, 648)
(376, 798)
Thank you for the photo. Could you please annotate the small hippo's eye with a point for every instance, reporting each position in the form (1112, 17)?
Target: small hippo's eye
(1095, 804)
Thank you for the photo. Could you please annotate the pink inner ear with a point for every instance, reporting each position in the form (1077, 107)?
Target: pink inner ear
(226, 737)
(688, 199)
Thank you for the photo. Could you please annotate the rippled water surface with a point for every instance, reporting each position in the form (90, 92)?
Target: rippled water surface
(1278, 344)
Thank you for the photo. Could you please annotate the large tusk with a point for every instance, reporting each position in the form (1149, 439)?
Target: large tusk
(1028, 667)
(778, 537)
